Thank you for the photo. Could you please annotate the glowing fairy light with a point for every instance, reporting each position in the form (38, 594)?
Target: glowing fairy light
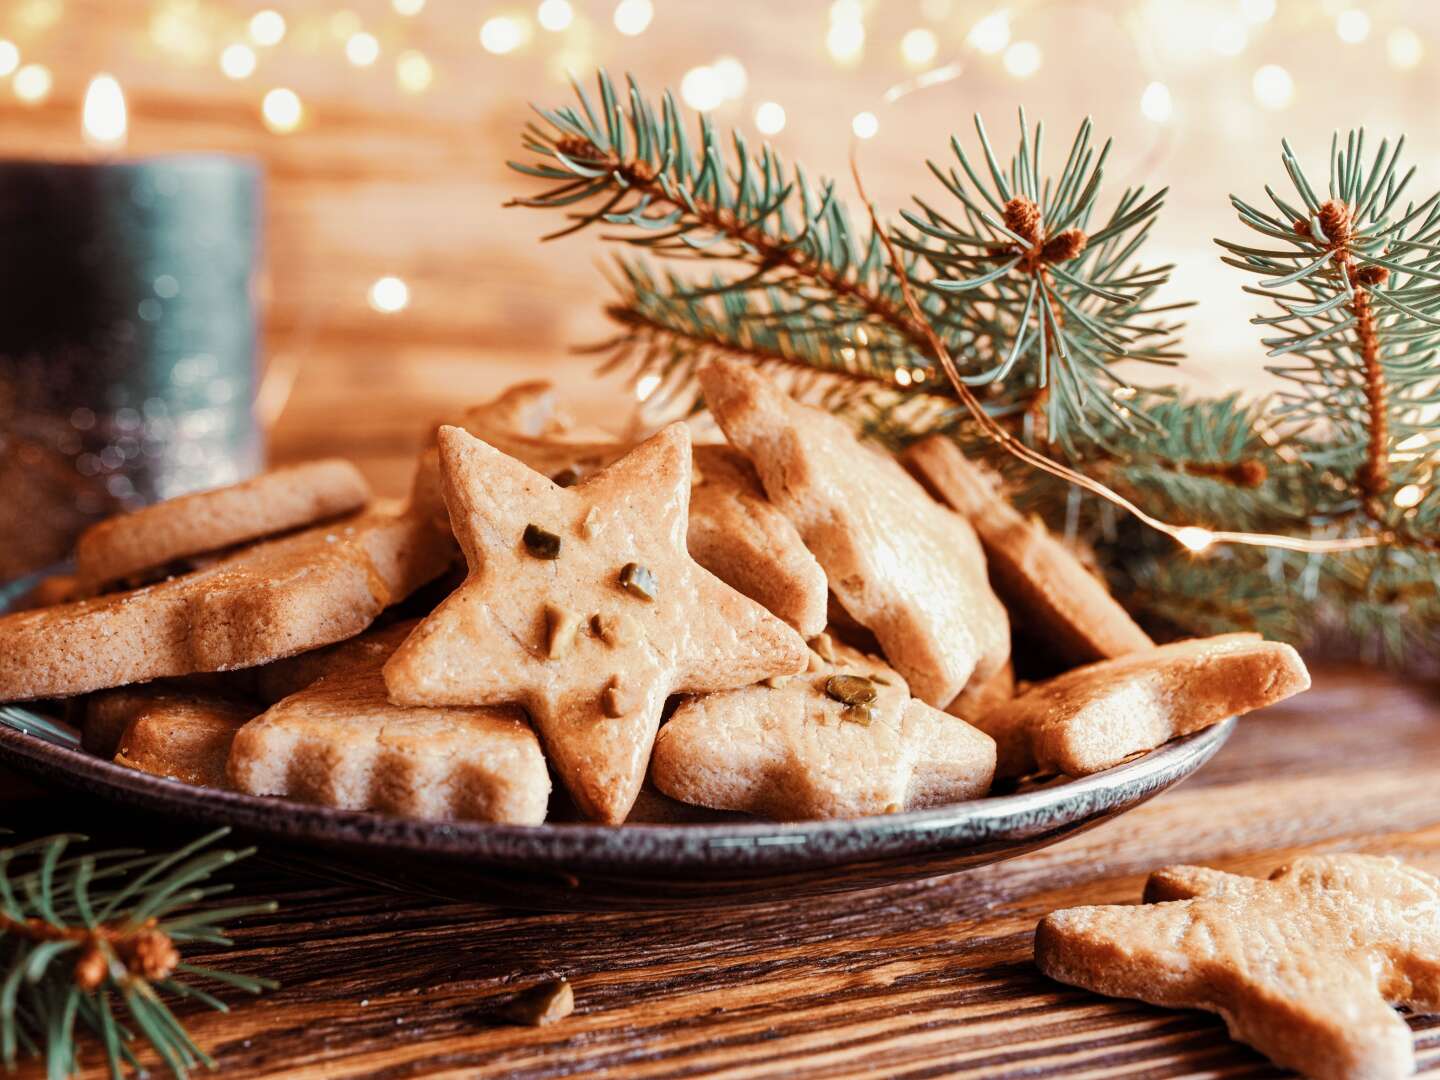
(1023, 59)
(1409, 495)
(9, 57)
(632, 17)
(362, 49)
(1258, 11)
(919, 46)
(1404, 48)
(1155, 103)
(845, 41)
(502, 35)
(770, 118)
(1195, 538)
(408, 7)
(702, 89)
(1229, 37)
(555, 15)
(102, 119)
(1352, 26)
(645, 386)
(865, 125)
(413, 72)
(281, 110)
(267, 27)
(991, 34)
(732, 76)
(32, 83)
(1273, 86)
(237, 61)
(389, 295)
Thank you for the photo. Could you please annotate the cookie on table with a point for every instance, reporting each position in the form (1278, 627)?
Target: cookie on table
(741, 538)
(183, 737)
(584, 606)
(265, 602)
(1304, 966)
(1044, 584)
(1096, 716)
(908, 569)
(340, 742)
(150, 539)
(844, 739)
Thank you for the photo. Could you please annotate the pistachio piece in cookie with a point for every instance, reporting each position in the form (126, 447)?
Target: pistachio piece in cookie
(658, 623)
(834, 742)
(906, 568)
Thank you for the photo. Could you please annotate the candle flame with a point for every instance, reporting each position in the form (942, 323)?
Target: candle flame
(104, 119)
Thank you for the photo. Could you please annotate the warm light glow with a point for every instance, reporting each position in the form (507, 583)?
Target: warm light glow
(344, 24)
(267, 27)
(1155, 103)
(991, 34)
(32, 83)
(555, 15)
(1229, 37)
(702, 89)
(865, 125)
(918, 47)
(1194, 537)
(362, 49)
(846, 11)
(770, 118)
(103, 115)
(9, 57)
(1023, 59)
(1258, 11)
(502, 34)
(633, 16)
(1404, 48)
(732, 76)
(238, 61)
(1353, 26)
(645, 386)
(389, 294)
(282, 110)
(1273, 86)
(1408, 496)
(845, 41)
(408, 7)
(413, 72)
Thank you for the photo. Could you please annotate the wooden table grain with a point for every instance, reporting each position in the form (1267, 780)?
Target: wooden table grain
(926, 979)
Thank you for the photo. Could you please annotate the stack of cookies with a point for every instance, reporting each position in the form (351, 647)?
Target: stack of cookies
(791, 623)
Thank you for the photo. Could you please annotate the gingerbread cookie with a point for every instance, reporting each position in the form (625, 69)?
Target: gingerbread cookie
(150, 539)
(909, 570)
(340, 742)
(742, 539)
(982, 696)
(584, 606)
(263, 603)
(1304, 967)
(1047, 589)
(842, 740)
(184, 737)
(526, 422)
(1096, 716)
(103, 716)
(272, 683)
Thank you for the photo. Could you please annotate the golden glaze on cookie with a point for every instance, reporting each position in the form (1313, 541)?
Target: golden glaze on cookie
(584, 606)
(1046, 587)
(795, 751)
(742, 539)
(340, 742)
(909, 570)
(1304, 967)
(263, 603)
(1096, 716)
(288, 498)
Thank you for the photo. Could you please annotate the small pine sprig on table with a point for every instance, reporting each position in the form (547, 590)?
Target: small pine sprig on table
(1039, 298)
(92, 941)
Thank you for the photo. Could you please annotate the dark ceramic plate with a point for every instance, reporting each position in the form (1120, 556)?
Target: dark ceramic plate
(597, 867)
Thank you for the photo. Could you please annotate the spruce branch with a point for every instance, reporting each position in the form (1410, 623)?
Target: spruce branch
(85, 938)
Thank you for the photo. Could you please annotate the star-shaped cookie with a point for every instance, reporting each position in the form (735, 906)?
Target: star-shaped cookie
(1304, 967)
(584, 607)
(844, 739)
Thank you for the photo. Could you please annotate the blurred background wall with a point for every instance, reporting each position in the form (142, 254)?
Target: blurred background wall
(396, 282)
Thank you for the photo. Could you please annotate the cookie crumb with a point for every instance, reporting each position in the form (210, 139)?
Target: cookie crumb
(544, 1004)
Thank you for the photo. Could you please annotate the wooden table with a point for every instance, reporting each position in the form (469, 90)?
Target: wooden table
(932, 978)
